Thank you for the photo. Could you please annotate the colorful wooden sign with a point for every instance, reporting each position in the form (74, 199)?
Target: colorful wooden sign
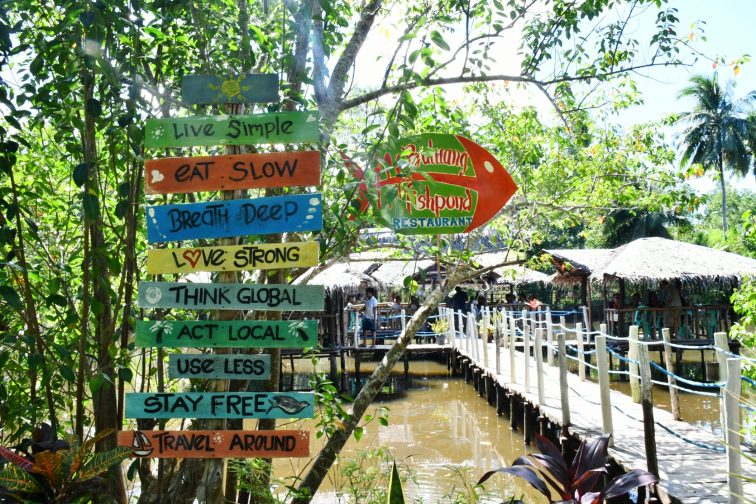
(223, 219)
(233, 257)
(220, 405)
(227, 333)
(226, 173)
(216, 444)
(232, 367)
(436, 183)
(214, 89)
(278, 127)
(232, 296)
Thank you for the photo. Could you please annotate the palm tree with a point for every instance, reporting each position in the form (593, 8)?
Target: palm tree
(717, 132)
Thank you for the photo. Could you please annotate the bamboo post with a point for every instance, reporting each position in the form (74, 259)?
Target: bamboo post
(539, 364)
(403, 315)
(506, 336)
(602, 363)
(512, 343)
(526, 355)
(549, 338)
(357, 330)
(472, 330)
(461, 330)
(731, 399)
(720, 341)
(647, 404)
(581, 350)
(450, 328)
(563, 390)
(632, 353)
(484, 335)
(674, 398)
(497, 340)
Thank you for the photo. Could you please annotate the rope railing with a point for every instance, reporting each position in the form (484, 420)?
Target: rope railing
(693, 383)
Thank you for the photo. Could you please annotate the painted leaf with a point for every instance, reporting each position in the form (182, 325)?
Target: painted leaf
(102, 461)
(48, 464)
(15, 479)
(15, 458)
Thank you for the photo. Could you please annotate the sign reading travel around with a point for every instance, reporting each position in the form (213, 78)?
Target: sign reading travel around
(233, 257)
(278, 127)
(226, 173)
(227, 333)
(216, 444)
(223, 219)
(233, 367)
(214, 89)
(220, 405)
(231, 296)
(437, 183)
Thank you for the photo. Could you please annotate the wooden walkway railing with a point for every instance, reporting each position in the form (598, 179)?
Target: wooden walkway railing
(693, 465)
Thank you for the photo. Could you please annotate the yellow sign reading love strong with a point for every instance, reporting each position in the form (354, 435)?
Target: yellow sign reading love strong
(233, 258)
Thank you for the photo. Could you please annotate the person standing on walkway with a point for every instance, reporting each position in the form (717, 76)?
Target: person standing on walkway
(370, 316)
(459, 303)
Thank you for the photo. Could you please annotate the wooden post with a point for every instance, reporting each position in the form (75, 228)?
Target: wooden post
(512, 342)
(450, 328)
(473, 325)
(647, 404)
(720, 341)
(539, 365)
(603, 378)
(357, 327)
(484, 335)
(463, 330)
(632, 353)
(549, 338)
(506, 335)
(674, 398)
(526, 355)
(497, 340)
(563, 390)
(581, 350)
(586, 320)
(731, 399)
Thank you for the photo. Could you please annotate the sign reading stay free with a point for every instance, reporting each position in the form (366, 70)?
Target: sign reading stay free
(220, 405)
(227, 333)
(225, 219)
(279, 127)
(232, 296)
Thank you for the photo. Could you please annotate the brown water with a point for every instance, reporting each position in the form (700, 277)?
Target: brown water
(438, 428)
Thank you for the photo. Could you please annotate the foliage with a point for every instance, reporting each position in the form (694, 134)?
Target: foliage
(440, 325)
(395, 492)
(63, 474)
(744, 303)
(573, 482)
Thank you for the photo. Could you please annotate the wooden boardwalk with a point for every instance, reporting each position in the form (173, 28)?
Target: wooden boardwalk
(689, 473)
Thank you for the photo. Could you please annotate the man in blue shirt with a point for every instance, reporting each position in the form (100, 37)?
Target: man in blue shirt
(371, 314)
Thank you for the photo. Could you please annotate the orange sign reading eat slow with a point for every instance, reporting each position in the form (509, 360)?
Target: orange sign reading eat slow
(225, 173)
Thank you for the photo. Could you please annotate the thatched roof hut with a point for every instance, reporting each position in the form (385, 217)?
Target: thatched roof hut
(573, 264)
(651, 260)
(520, 275)
(393, 272)
(347, 276)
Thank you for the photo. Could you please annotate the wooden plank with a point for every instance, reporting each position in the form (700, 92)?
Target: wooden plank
(216, 444)
(216, 89)
(278, 127)
(227, 173)
(220, 405)
(215, 296)
(225, 219)
(256, 256)
(233, 367)
(227, 333)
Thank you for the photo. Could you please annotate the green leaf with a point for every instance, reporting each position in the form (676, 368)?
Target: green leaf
(94, 107)
(395, 493)
(67, 373)
(438, 39)
(121, 209)
(57, 300)
(102, 461)
(11, 297)
(358, 433)
(81, 174)
(125, 374)
(91, 206)
(14, 479)
(124, 188)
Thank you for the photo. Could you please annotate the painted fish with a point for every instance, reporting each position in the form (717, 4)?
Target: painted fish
(287, 404)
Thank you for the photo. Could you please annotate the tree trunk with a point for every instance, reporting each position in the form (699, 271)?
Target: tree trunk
(724, 197)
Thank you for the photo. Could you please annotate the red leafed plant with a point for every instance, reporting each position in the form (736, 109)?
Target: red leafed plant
(574, 482)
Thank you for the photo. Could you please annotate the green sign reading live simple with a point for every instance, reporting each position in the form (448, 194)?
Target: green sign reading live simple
(214, 89)
(221, 405)
(279, 127)
(227, 333)
(232, 296)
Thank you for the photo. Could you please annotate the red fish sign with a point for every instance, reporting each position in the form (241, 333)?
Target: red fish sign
(436, 183)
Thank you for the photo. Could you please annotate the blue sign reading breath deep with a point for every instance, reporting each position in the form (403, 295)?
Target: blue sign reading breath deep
(223, 219)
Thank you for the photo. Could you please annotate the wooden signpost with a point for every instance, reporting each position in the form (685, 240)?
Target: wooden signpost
(227, 333)
(233, 257)
(232, 367)
(224, 219)
(214, 89)
(233, 296)
(216, 444)
(226, 173)
(220, 405)
(278, 127)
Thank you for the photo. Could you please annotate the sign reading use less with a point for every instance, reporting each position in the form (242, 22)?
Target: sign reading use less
(232, 367)
(225, 219)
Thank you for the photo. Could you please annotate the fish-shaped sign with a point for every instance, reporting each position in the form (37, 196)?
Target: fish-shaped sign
(216, 444)
(435, 184)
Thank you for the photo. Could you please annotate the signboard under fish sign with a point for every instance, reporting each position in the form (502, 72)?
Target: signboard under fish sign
(436, 184)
